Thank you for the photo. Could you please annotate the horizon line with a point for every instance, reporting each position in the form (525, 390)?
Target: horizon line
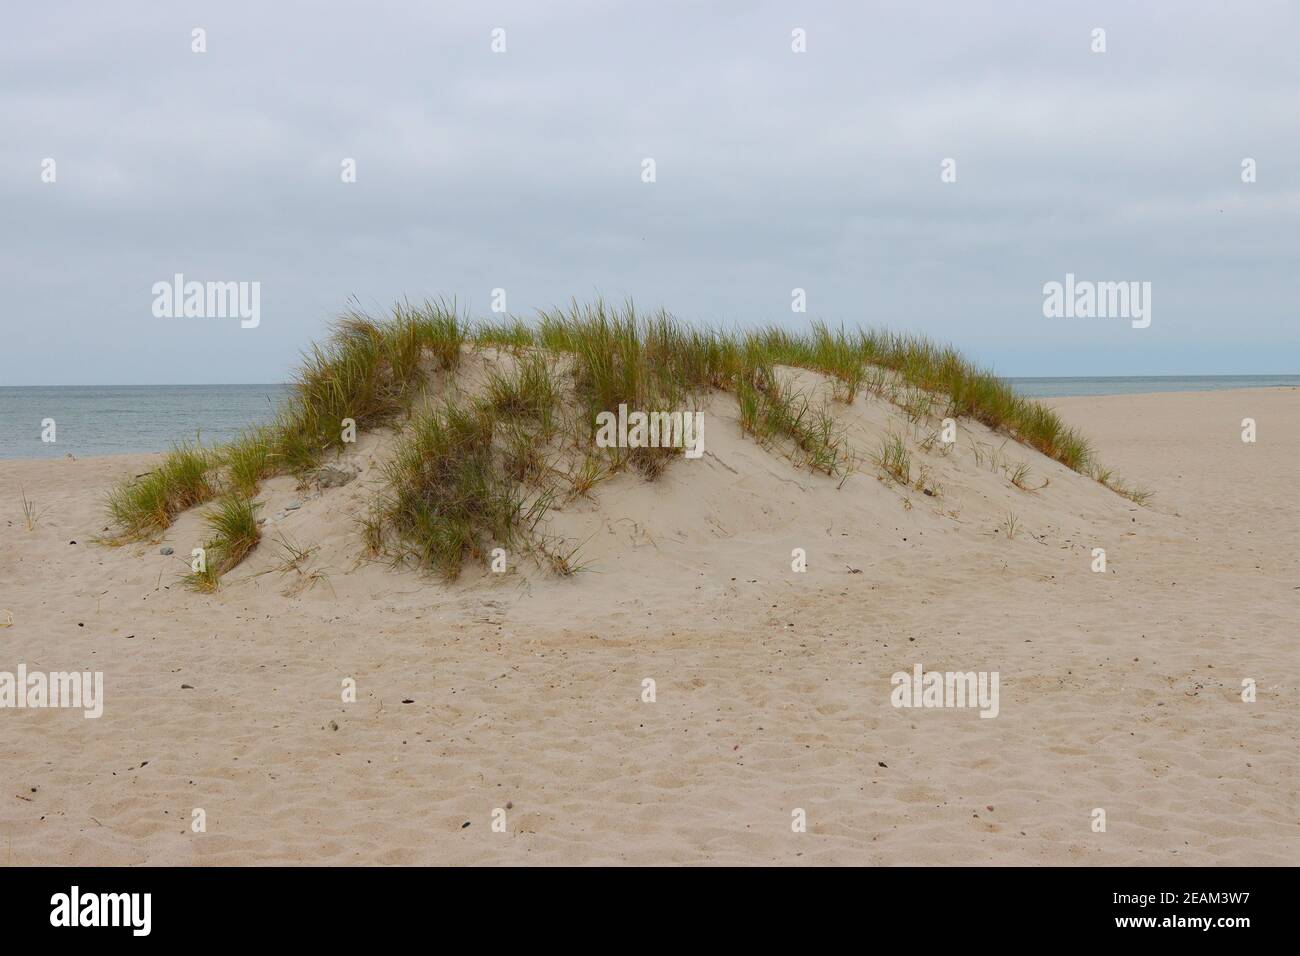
(1023, 378)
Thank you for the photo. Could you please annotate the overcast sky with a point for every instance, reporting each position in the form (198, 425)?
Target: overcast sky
(774, 170)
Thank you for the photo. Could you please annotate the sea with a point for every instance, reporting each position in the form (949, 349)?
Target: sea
(124, 419)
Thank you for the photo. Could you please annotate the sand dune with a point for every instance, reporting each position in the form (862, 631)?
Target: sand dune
(1119, 690)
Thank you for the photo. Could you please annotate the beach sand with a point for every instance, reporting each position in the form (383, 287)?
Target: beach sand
(1118, 690)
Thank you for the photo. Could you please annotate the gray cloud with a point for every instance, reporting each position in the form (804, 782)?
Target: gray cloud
(775, 170)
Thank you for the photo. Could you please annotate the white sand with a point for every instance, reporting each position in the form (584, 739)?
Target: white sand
(1119, 691)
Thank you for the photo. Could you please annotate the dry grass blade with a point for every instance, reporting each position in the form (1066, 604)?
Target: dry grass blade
(30, 514)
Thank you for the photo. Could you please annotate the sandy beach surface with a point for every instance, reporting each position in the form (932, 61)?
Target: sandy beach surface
(523, 692)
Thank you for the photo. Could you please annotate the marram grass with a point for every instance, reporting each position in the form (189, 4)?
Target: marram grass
(480, 473)
(145, 506)
(235, 533)
(448, 496)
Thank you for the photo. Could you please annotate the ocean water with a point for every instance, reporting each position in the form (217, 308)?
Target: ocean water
(1137, 384)
(121, 419)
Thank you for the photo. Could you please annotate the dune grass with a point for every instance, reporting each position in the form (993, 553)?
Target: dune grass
(368, 374)
(31, 514)
(147, 505)
(510, 333)
(248, 461)
(626, 357)
(771, 414)
(530, 394)
(894, 460)
(235, 533)
(1104, 476)
(448, 498)
(837, 355)
(588, 473)
(480, 473)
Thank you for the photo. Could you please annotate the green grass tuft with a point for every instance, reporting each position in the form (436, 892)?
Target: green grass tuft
(248, 461)
(774, 416)
(448, 498)
(894, 460)
(147, 505)
(235, 533)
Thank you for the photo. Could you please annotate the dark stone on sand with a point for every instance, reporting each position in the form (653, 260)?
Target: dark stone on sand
(330, 477)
